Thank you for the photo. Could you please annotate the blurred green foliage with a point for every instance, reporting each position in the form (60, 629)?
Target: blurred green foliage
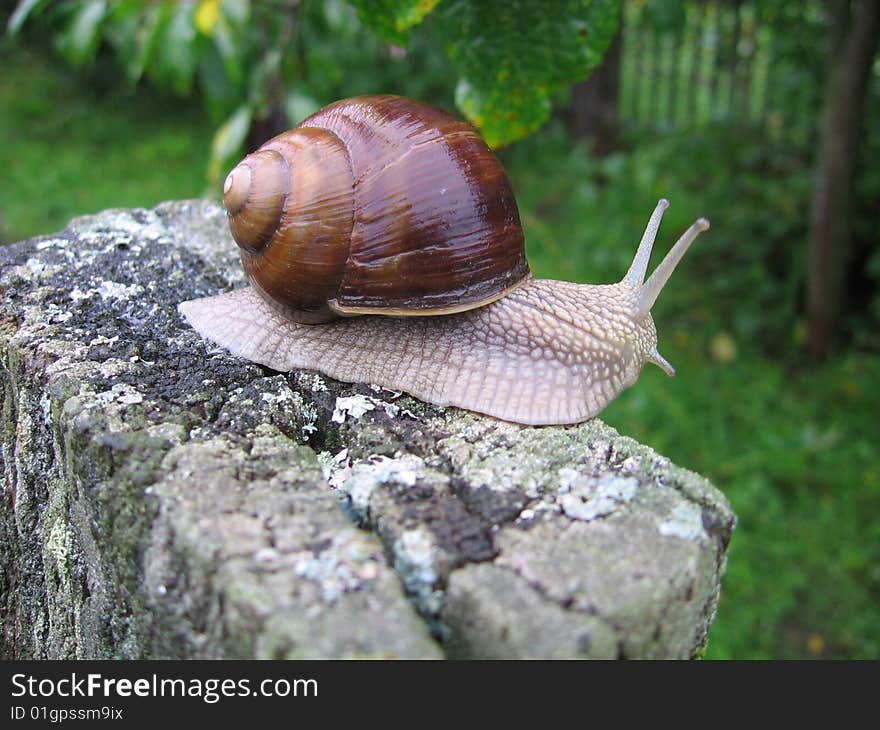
(81, 146)
(247, 56)
(792, 444)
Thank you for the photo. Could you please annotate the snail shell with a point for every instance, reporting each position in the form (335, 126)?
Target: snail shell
(376, 205)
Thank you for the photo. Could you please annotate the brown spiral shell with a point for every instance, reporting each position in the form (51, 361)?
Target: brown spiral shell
(376, 205)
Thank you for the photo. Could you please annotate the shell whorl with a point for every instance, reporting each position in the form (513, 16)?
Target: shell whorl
(291, 211)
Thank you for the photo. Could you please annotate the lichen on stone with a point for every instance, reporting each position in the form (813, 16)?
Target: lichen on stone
(162, 498)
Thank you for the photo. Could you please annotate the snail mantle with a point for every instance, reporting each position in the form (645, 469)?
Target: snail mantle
(163, 498)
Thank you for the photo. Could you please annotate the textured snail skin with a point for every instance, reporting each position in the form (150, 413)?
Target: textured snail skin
(549, 352)
(521, 358)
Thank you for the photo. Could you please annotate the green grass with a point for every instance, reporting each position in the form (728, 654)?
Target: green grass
(69, 149)
(791, 443)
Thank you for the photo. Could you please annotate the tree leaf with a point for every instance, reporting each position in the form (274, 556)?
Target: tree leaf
(79, 41)
(512, 58)
(298, 106)
(206, 16)
(228, 42)
(392, 19)
(121, 30)
(21, 13)
(228, 140)
(176, 55)
(131, 29)
(237, 11)
(219, 94)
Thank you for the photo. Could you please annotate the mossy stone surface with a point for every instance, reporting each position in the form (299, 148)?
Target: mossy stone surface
(162, 498)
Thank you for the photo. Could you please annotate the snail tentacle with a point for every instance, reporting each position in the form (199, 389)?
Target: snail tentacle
(650, 290)
(635, 276)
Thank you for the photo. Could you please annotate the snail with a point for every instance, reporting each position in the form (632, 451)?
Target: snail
(383, 245)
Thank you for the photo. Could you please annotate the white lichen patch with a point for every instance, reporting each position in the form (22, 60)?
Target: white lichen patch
(311, 381)
(114, 368)
(35, 267)
(135, 222)
(155, 231)
(175, 433)
(66, 360)
(366, 476)
(76, 294)
(309, 412)
(505, 470)
(267, 555)
(57, 315)
(46, 408)
(585, 497)
(353, 406)
(114, 290)
(414, 554)
(59, 549)
(282, 396)
(685, 521)
(121, 393)
(505, 457)
(52, 243)
(390, 409)
(341, 568)
(107, 290)
(335, 467)
(357, 405)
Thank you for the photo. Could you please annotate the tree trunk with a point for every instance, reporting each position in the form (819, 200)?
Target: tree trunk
(274, 120)
(264, 128)
(595, 102)
(855, 28)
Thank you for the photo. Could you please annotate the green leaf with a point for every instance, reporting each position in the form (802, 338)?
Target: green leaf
(21, 13)
(218, 93)
(132, 32)
(229, 37)
(298, 106)
(228, 140)
(176, 59)
(79, 41)
(206, 16)
(234, 38)
(392, 19)
(262, 80)
(237, 11)
(512, 58)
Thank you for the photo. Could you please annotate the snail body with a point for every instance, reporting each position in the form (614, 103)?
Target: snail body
(452, 315)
